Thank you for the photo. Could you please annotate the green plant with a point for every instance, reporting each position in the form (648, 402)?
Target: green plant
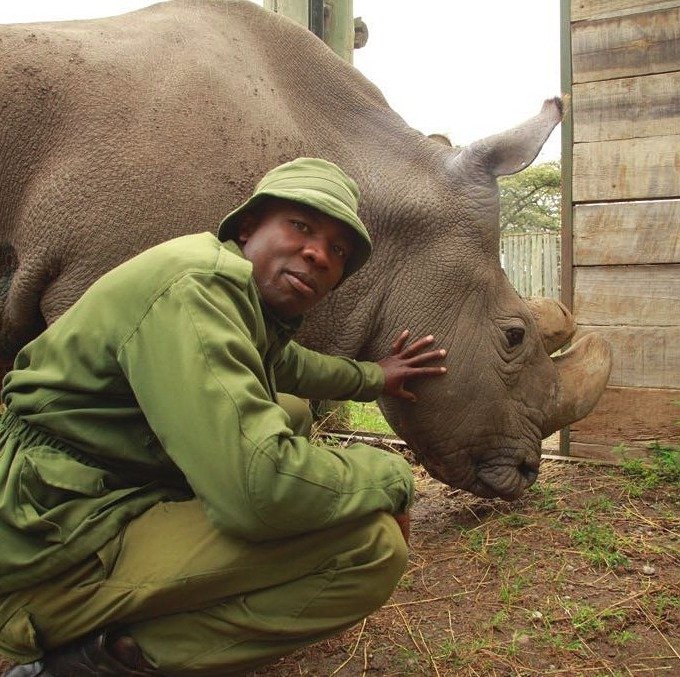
(449, 652)
(589, 620)
(458, 654)
(564, 641)
(514, 520)
(410, 661)
(367, 416)
(599, 545)
(622, 637)
(498, 619)
(664, 603)
(510, 590)
(475, 540)
(586, 620)
(499, 549)
(599, 505)
(545, 496)
(663, 467)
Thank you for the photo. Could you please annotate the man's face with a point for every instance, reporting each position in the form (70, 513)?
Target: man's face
(298, 255)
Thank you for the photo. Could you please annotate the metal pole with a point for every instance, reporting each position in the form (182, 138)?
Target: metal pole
(338, 31)
(297, 10)
(330, 20)
(316, 22)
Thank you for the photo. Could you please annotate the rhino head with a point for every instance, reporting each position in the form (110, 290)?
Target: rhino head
(480, 426)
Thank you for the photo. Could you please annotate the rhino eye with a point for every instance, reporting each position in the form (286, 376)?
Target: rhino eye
(515, 336)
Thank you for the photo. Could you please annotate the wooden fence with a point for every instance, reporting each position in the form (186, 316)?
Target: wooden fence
(532, 263)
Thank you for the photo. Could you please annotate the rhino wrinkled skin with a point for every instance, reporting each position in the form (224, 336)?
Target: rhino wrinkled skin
(119, 133)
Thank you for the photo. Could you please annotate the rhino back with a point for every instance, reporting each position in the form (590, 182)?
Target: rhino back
(120, 133)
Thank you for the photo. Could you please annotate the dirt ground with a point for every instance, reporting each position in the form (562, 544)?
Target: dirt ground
(579, 577)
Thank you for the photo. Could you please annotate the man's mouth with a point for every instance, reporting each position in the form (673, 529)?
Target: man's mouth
(302, 282)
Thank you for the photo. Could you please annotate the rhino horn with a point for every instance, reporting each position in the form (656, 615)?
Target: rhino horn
(555, 323)
(515, 149)
(582, 375)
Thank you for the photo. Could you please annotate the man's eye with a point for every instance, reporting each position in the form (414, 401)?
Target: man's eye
(340, 251)
(299, 225)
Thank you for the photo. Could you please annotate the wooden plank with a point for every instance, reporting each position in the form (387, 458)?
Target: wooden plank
(536, 273)
(637, 44)
(604, 9)
(607, 454)
(637, 296)
(627, 232)
(631, 416)
(627, 169)
(530, 262)
(643, 357)
(567, 143)
(627, 108)
(525, 267)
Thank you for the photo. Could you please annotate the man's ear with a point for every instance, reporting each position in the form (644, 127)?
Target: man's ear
(246, 227)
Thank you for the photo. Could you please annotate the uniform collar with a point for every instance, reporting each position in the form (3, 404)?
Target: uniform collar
(283, 329)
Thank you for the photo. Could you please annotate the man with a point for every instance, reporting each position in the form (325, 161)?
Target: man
(160, 512)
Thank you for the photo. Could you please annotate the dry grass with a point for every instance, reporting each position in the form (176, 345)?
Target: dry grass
(579, 577)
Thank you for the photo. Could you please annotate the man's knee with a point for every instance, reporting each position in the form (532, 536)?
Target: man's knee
(298, 412)
(390, 558)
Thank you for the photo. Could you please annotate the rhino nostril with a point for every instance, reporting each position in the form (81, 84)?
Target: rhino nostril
(528, 471)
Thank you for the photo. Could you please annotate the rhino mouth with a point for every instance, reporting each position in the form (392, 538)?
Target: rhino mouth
(506, 479)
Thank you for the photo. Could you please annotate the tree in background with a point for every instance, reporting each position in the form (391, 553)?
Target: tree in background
(530, 200)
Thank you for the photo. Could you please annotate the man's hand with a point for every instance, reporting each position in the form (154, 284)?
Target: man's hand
(405, 363)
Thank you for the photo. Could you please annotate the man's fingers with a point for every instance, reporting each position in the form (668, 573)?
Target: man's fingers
(421, 358)
(399, 344)
(417, 346)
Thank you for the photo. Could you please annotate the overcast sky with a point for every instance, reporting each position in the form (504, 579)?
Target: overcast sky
(466, 69)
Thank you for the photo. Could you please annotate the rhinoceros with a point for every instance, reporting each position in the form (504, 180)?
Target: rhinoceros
(119, 133)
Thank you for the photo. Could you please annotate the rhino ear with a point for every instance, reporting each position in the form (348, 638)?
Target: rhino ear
(513, 150)
(441, 138)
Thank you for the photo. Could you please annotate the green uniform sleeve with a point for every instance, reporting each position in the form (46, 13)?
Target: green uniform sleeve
(306, 373)
(200, 381)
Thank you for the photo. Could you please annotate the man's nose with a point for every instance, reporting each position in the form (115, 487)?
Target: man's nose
(318, 251)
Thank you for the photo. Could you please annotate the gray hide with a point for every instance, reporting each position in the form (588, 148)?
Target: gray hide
(119, 133)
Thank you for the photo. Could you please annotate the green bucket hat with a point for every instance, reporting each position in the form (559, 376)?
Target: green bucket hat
(316, 183)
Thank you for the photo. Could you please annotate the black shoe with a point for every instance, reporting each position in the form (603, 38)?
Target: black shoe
(36, 669)
(92, 657)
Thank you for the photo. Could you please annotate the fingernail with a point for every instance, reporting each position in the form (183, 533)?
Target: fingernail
(430, 338)
(442, 352)
(443, 369)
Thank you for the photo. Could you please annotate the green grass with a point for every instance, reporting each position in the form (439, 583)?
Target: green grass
(664, 604)
(545, 496)
(586, 619)
(599, 544)
(511, 590)
(662, 468)
(367, 416)
(622, 637)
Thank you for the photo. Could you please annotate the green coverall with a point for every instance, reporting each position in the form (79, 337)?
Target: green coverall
(149, 479)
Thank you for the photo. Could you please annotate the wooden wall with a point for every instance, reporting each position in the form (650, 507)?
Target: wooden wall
(622, 137)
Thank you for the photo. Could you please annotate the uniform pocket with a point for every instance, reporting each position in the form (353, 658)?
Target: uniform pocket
(53, 475)
(18, 638)
(50, 483)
